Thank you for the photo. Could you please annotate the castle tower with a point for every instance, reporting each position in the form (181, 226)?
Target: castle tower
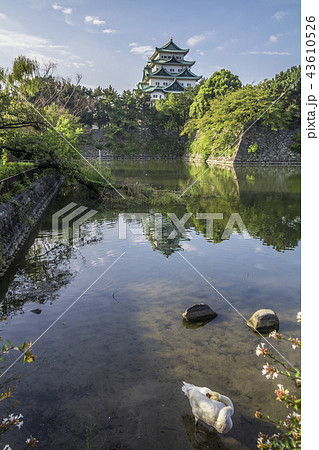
(167, 71)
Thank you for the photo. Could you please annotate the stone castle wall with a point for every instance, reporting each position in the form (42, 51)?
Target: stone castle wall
(273, 147)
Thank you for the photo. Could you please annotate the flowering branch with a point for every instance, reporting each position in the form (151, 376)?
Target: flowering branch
(12, 421)
(290, 437)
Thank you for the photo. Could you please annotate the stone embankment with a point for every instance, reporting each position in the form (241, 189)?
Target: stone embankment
(95, 147)
(260, 145)
(18, 217)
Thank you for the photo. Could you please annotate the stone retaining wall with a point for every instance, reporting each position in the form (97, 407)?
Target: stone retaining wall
(95, 147)
(273, 147)
(18, 217)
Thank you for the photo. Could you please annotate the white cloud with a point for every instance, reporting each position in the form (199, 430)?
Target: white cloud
(94, 20)
(109, 31)
(2, 16)
(275, 53)
(144, 50)
(56, 6)
(195, 39)
(133, 44)
(274, 38)
(64, 10)
(266, 52)
(14, 39)
(279, 15)
(67, 11)
(38, 47)
(202, 53)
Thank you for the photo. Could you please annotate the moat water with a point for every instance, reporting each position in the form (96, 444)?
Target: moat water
(108, 373)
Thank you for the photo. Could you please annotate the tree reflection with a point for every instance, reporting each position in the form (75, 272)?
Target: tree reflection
(48, 266)
(267, 199)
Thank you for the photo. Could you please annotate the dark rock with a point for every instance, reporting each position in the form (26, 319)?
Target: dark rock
(36, 311)
(199, 312)
(264, 321)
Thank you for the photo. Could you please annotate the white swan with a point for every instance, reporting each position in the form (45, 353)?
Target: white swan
(211, 407)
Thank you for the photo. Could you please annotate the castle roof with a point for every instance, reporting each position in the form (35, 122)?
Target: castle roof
(175, 86)
(171, 60)
(186, 73)
(170, 47)
(163, 73)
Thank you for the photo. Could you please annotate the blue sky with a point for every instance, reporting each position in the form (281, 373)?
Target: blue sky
(108, 42)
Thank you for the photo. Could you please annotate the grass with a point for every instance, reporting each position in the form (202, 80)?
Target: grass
(13, 168)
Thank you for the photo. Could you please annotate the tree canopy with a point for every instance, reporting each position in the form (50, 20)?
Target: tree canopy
(275, 103)
(220, 83)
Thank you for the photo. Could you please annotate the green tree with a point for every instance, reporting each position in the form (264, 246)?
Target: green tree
(274, 103)
(174, 111)
(220, 83)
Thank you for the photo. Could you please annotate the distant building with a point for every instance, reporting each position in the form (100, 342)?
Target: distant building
(167, 71)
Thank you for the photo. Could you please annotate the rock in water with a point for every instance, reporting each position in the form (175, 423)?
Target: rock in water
(264, 321)
(199, 312)
(36, 311)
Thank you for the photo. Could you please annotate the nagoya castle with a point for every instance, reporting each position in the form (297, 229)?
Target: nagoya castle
(167, 71)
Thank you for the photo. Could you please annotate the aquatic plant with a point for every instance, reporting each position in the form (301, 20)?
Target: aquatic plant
(289, 435)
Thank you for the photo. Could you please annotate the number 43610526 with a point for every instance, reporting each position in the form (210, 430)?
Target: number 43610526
(310, 44)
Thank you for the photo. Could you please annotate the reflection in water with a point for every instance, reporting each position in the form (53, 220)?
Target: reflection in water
(46, 270)
(163, 235)
(49, 265)
(195, 325)
(203, 438)
(119, 363)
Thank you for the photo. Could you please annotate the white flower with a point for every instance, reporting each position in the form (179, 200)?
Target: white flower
(299, 317)
(261, 350)
(7, 447)
(272, 334)
(269, 371)
(19, 424)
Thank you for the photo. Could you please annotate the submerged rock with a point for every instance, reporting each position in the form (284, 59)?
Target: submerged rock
(195, 325)
(199, 313)
(36, 311)
(264, 321)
